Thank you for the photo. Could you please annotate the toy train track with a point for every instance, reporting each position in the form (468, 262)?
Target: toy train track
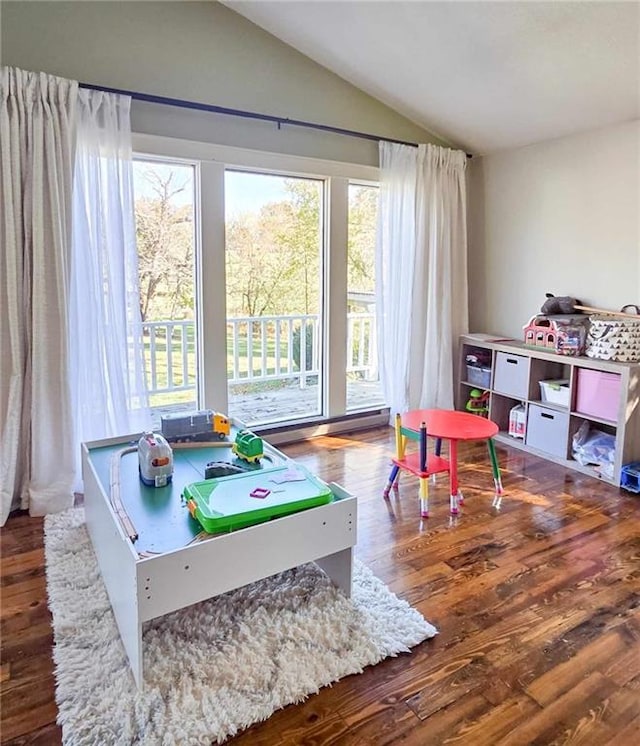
(203, 429)
(114, 491)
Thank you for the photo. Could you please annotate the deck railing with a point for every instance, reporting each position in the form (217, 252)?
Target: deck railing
(259, 348)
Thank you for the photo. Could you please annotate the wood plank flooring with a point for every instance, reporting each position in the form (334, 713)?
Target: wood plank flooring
(537, 607)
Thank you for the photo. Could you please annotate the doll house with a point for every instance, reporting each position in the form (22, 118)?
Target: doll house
(565, 334)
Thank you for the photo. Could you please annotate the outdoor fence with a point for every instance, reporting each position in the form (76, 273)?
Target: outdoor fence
(259, 349)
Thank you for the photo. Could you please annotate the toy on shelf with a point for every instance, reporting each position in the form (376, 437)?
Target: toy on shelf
(478, 402)
(630, 477)
(479, 358)
(203, 425)
(155, 460)
(518, 421)
(566, 335)
(559, 304)
(568, 305)
(248, 446)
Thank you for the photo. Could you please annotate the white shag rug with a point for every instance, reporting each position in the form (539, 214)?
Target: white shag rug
(214, 668)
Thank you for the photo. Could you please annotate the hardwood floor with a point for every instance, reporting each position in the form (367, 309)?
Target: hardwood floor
(537, 607)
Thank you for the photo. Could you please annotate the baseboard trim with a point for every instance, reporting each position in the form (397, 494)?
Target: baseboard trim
(334, 427)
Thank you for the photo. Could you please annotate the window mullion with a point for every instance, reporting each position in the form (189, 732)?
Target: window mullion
(336, 297)
(212, 288)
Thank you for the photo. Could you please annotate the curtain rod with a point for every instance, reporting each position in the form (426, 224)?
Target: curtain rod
(183, 104)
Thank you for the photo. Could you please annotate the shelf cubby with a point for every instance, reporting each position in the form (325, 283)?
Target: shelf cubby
(516, 372)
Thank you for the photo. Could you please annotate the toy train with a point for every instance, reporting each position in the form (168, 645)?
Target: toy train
(155, 460)
(203, 425)
(248, 446)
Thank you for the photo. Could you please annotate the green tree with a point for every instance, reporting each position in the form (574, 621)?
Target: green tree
(164, 235)
(273, 257)
(363, 214)
(259, 273)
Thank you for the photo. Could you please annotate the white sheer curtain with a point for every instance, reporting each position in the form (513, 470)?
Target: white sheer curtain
(37, 114)
(442, 237)
(395, 259)
(421, 271)
(107, 366)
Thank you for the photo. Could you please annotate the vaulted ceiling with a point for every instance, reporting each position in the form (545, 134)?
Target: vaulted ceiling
(484, 76)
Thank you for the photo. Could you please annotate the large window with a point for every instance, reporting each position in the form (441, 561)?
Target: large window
(363, 382)
(164, 205)
(274, 250)
(257, 282)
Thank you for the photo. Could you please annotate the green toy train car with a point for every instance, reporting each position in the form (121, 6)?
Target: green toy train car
(248, 446)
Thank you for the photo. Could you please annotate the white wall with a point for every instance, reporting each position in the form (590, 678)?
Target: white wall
(561, 217)
(200, 51)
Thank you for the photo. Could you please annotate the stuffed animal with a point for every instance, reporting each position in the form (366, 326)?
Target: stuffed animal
(559, 304)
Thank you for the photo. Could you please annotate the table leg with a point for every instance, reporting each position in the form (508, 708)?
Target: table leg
(438, 451)
(453, 475)
(392, 483)
(497, 479)
(339, 567)
(424, 497)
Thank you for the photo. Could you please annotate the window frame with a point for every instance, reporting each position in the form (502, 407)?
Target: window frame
(211, 161)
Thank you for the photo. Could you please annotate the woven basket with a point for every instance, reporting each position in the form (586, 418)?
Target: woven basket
(614, 338)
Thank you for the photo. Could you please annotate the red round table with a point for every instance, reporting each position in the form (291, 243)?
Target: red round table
(441, 424)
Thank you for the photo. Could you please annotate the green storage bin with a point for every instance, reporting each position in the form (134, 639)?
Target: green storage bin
(242, 500)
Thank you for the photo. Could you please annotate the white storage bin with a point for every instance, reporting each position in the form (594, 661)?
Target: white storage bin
(479, 376)
(556, 392)
(547, 430)
(511, 375)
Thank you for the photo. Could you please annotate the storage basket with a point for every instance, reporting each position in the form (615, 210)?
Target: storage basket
(598, 393)
(614, 338)
(555, 392)
(479, 376)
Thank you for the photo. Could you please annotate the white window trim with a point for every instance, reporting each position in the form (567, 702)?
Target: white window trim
(211, 160)
(255, 160)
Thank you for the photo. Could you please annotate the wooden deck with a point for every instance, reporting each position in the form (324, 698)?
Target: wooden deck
(538, 611)
(284, 404)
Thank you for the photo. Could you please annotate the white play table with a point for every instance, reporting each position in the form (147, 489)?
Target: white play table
(143, 586)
